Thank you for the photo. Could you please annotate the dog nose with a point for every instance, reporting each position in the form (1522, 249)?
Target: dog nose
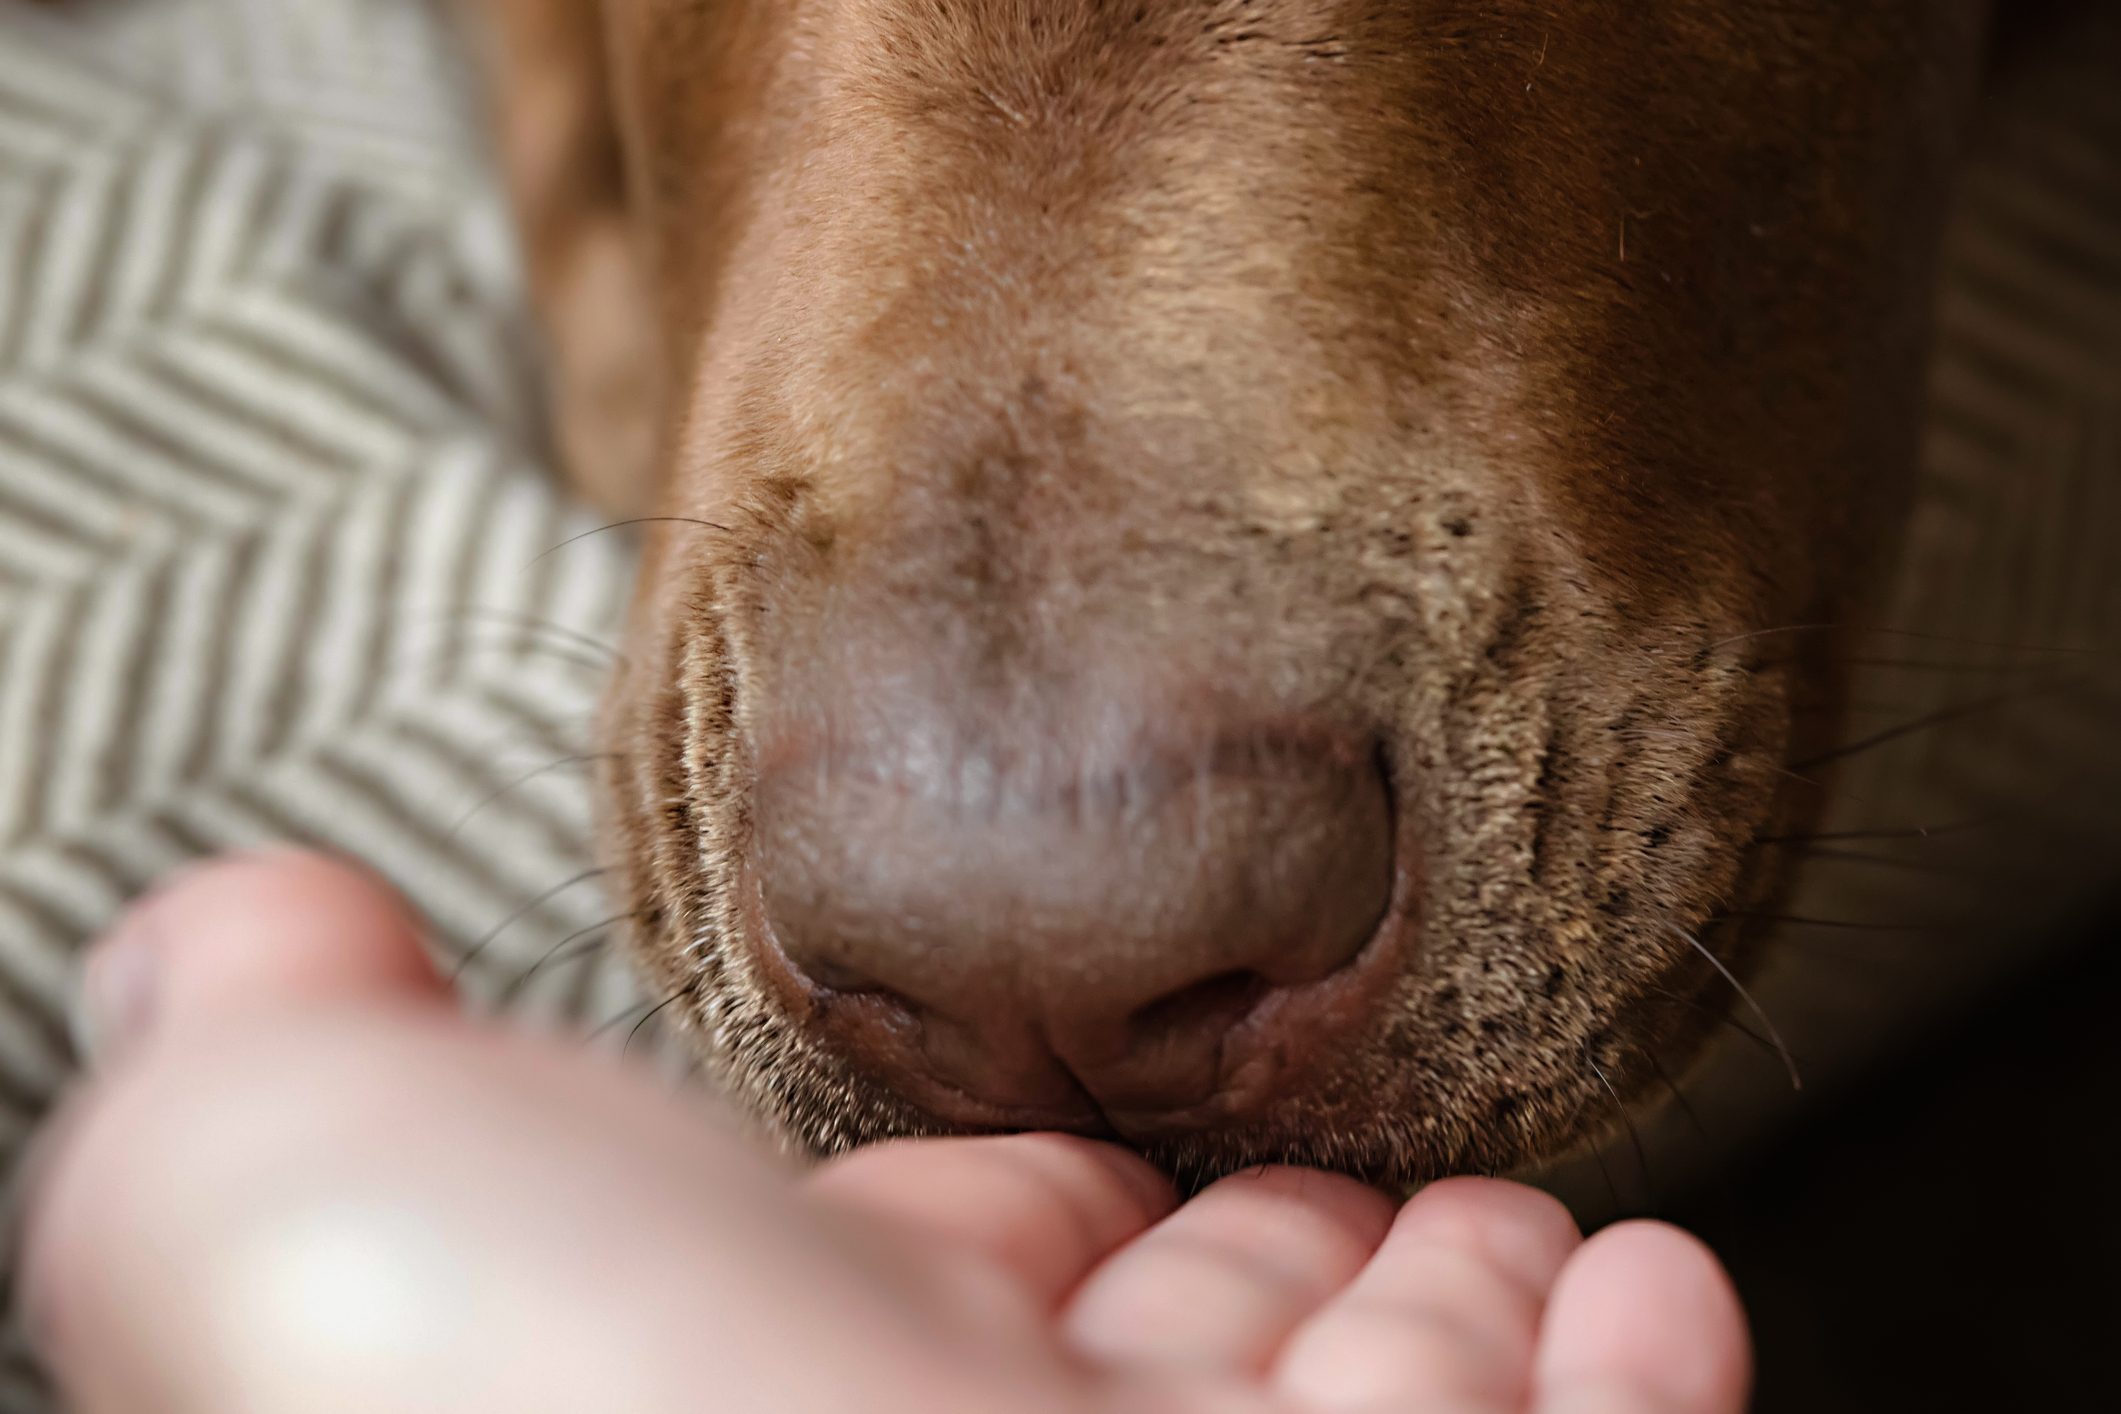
(1159, 946)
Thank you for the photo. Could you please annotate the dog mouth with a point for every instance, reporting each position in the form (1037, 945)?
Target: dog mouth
(1223, 936)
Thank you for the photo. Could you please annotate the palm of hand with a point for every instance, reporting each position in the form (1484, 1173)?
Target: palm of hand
(304, 1184)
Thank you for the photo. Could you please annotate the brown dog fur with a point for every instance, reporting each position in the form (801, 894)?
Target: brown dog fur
(1496, 377)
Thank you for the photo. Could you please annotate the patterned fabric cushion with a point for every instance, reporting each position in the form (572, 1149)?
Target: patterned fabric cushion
(273, 503)
(272, 499)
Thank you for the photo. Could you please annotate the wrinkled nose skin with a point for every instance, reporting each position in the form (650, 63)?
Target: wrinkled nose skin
(1159, 942)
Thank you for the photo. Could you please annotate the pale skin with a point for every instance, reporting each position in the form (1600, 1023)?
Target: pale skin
(302, 1181)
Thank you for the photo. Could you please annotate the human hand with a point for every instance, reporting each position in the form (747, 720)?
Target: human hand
(302, 1183)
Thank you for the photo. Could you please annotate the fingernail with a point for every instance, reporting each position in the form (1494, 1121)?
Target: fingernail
(114, 992)
(114, 988)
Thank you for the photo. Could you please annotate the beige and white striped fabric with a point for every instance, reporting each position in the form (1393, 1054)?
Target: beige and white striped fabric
(271, 498)
(272, 502)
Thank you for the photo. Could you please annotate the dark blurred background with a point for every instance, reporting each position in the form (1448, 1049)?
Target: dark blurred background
(1947, 1237)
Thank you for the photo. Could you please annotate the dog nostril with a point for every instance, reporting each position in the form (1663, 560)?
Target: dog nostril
(1217, 1004)
(1061, 962)
(829, 975)
(834, 981)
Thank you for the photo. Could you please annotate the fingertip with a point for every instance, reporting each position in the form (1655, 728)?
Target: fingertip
(1045, 1207)
(1525, 1232)
(1499, 1197)
(1221, 1284)
(273, 928)
(1446, 1315)
(909, 1164)
(1149, 1187)
(1644, 1310)
(1360, 1211)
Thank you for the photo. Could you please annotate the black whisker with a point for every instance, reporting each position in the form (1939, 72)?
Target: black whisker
(430, 656)
(1903, 832)
(1686, 1106)
(665, 1005)
(1884, 861)
(627, 525)
(1642, 1157)
(1781, 1047)
(518, 916)
(594, 758)
(1821, 786)
(1938, 718)
(1849, 925)
(1942, 665)
(480, 613)
(1909, 634)
(1605, 1172)
(631, 1013)
(1721, 1016)
(552, 954)
(1854, 708)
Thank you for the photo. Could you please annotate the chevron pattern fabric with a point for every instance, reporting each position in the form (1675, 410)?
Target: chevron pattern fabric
(271, 498)
(274, 508)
